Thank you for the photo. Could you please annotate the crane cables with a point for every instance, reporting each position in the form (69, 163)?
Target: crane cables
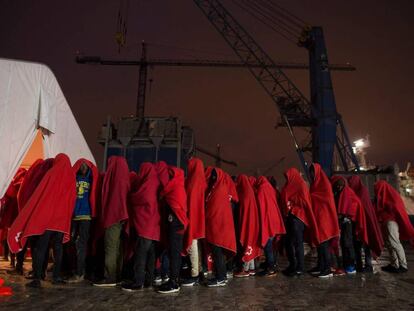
(274, 17)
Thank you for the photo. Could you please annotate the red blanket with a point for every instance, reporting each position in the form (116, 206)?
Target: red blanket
(271, 220)
(350, 205)
(219, 215)
(95, 175)
(173, 194)
(323, 205)
(144, 214)
(195, 186)
(375, 240)
(248, 219)
(296, 200)
(9, 208)
(32, 179)
(115, 189)
(390, 206)
(162, 169)
(49, 208)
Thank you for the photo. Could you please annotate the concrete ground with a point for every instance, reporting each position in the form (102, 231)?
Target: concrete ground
(379, 291)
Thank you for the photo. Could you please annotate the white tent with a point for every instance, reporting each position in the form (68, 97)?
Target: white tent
(32, 101)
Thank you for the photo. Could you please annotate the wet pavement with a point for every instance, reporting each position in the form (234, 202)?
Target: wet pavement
(379, 291)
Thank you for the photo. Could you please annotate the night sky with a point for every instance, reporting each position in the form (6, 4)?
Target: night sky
(224, 106)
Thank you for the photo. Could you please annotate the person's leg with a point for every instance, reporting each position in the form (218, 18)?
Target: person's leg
(347, 243)
(269, 255)
(325, 257)
(368, 259)
(39, 255)
(150, 266)
(142, 247)
(5, 249)
(194, 259)
(112, 248)
(358, 255)
(57, 240)
(20, 259)
(299, 228)
(219, 262)
(82, 245)
(289, 243)
(176, 245)
(395, 243)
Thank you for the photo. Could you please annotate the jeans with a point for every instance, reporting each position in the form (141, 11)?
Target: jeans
(294, 243)
(113, 253)
(394, 245)
(219, 262)
(347, 242)
(80, 234)
(194, 259)
(144, 260)
(324, 257)
(175, 246)
(358, 246)
(41, 251)
(268, 251)
(249, 265)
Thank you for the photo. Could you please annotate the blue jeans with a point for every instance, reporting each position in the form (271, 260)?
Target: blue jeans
(268, 251)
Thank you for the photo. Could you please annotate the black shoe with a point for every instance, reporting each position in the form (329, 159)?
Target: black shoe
(390, 268)
(34, 284)
(105, 283)
(314, 271)
(193, 281)
(401, 269)
(325, 274)
(58, 281)
(368, 269)
(216, 283)
(268, 273)
(169, 288)
(299, 274)
(132, 287)
(31, 276)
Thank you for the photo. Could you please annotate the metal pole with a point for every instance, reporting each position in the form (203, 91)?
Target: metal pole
(178, 143)
(108, 133)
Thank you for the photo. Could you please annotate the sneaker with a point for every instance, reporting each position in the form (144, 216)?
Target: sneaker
(390, 268)
(58, 281)
(315, 271)
(242, 274)
(165, 279)
(268, 273)
(193, 281)
(76, 279)
(325, 274)
(34, 284)
(131, 287)
(299, 274)
(401, 269)
(169, 288)
(229, 274)
(339, 272)
(252, 272)
(216, 283)
(350, 270)
(105, 283)
(158, 281)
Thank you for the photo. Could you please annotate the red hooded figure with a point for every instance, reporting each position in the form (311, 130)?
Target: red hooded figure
(296, 200)
(32, 179)
(50, 207)
(323, 205)
(144, 212)
(219, 216)
(94, 182)
(195, 186)
(270, 217)
(248, 219)
(174, 195)
(115, 189)
(390, 207)
(375, 240)
(350, 205)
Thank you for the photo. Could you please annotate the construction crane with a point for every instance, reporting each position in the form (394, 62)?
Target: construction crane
(216, 156)
(319, 115)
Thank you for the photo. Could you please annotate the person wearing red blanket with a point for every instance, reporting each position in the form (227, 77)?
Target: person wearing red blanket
(114, 215)
(220, 233)
(375, 240)
(9, 210)
(270, 219)
(299, 215)
(395, 223)
(324, 209)
(352, 221)
(195, 186)
(174, 203)
(47, 214)
(248, 226)
(87, 175)
(144, 217)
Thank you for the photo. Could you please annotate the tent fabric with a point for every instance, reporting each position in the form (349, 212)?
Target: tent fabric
(30, 98)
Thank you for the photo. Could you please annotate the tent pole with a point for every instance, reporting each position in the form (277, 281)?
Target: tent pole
(108, 132)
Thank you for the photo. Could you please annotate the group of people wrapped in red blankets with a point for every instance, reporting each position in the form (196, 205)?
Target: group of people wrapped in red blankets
(140, 225)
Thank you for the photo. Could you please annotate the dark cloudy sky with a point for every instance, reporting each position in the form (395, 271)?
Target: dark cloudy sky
(224, 106)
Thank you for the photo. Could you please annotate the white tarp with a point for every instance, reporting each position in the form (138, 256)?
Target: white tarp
(30, 98)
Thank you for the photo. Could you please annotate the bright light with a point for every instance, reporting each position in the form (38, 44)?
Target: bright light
(359, 143)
